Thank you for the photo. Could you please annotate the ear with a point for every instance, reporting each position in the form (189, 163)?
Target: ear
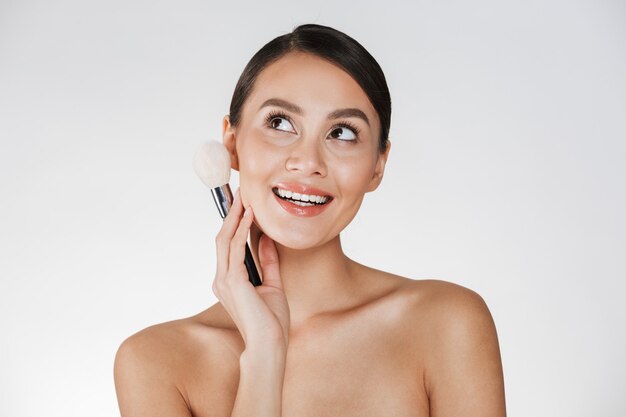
(379, 170)
(228, 138)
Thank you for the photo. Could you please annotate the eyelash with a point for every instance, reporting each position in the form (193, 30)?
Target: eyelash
(274, 114)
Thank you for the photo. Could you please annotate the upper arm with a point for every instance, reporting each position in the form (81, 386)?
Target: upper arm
(464, 371)
(143, 380)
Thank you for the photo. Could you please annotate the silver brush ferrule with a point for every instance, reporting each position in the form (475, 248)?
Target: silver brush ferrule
(223, 197)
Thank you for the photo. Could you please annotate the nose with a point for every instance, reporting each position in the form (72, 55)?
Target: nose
(306, 158)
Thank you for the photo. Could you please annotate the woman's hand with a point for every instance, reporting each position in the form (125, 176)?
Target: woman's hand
(260, 313)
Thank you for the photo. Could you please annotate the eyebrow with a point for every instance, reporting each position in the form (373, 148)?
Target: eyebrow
(294, 108)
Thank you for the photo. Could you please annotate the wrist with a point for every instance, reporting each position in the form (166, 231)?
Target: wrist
(268, 354)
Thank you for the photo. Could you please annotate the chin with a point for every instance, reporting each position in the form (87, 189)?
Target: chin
(297, 244)
(292, 238)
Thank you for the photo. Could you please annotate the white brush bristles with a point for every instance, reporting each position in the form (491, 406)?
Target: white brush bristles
(212, 164)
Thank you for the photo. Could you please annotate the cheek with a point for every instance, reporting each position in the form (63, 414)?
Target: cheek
(257, 166)
(249, 155)
(353, 177)
(257, 162)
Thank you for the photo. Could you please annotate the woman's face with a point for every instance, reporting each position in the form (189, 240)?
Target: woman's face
(306, 128)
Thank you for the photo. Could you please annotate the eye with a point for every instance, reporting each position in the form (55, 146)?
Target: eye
(279, 121)
(345, 132)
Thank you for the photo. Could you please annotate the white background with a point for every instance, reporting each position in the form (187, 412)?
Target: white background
(506, 175)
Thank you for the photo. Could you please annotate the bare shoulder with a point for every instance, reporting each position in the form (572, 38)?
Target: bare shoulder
(445, 300)
(447, 312)
(459, 347)
(156, 364)
(438, 299)
(178, 339)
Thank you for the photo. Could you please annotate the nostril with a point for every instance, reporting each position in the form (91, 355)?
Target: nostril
(309, 163)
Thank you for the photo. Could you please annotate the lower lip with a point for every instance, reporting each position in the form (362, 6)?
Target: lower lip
(301, 211)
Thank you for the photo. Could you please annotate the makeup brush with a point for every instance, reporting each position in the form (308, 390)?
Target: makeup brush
(212, 164)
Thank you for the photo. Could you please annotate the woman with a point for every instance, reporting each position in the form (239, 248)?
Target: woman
(324, 335)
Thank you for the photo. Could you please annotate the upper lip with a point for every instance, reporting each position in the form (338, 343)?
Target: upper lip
(301, 189)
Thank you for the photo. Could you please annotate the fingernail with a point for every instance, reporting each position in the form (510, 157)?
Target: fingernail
(248, 211)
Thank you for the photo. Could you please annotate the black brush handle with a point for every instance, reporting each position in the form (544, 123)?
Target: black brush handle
(253, 273)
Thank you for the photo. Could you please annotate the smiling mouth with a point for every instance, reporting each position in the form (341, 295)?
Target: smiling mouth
(304, 200)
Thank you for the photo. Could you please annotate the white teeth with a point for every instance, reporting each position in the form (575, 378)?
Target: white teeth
(302, 203)
(304, 198)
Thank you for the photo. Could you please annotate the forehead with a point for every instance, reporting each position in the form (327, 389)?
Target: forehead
(313, 83)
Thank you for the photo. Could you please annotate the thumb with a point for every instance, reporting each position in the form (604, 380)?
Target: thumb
(268, 258)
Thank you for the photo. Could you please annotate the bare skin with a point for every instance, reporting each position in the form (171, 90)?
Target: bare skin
(379, 356)
(355, 341)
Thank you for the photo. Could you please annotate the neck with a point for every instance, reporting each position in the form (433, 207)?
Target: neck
(315, 280)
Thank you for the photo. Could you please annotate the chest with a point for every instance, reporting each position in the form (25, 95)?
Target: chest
(358, 376)
(337, 368)
(365, 398)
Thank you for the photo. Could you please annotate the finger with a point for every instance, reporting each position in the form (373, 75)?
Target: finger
(225, 235)
(238, 243)
(270, 265)
(234, 213)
